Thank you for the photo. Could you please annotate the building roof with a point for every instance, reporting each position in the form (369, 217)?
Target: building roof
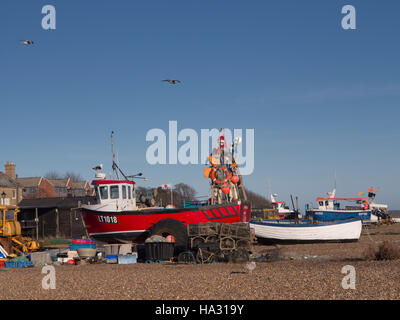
(29, 182)
(80, 184)
(6, 181)
(68, 202)
(59, 182)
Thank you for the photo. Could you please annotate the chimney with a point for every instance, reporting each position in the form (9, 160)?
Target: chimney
(10, 169)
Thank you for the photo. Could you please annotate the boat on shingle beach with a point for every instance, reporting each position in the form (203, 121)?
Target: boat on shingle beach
(306, 231)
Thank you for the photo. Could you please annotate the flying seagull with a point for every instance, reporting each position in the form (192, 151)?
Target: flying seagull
(172, 81)
(27, 41)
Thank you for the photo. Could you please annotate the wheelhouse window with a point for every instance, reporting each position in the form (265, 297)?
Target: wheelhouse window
(104, 192)
(129, 192)
(114, 192)
(123, 192)
(326, 203)
(321, 203)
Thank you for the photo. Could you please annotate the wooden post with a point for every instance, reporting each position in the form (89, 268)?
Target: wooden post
(84, 225)
(70, 221)
(57, 224)
(37, 223)
(242, 187)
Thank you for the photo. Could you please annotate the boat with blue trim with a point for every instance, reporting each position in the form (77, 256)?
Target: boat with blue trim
(330, 209)
(299, 231)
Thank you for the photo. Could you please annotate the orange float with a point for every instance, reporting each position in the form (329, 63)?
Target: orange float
(225, 190)
(213, 161)
(207, 172)
(235, 179)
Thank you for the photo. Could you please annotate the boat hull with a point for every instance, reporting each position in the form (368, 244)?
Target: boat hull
(334, 215)
(136, 225)
(317, 232)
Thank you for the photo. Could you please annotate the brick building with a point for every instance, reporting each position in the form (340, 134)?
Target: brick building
(15, 188)
(62, 187)
(10, 190)
(36, 187)
(82, 188)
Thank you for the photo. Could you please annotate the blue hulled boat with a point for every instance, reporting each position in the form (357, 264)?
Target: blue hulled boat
(330, 209)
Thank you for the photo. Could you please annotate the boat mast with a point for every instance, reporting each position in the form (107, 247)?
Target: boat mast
(114, 165)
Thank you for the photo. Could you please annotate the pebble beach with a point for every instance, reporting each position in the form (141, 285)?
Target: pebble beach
(303, 271)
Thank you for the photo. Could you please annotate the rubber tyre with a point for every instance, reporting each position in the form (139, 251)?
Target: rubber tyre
(175, 228)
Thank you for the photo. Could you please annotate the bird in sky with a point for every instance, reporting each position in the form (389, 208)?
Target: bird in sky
(171, 81)
(27, 42)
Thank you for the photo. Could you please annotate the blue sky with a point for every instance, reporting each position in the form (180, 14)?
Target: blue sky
(320, 99)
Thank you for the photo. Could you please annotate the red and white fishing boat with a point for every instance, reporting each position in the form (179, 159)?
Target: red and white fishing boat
(117, 217)
(280, 207)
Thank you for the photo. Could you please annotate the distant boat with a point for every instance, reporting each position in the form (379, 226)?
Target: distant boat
(378, 211)
(329, 209)
(281, 208)
(304, 231)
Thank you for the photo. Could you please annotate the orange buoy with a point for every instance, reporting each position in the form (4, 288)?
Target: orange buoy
(225, 190)
(213, 161)
(207, 172)
(235, 179)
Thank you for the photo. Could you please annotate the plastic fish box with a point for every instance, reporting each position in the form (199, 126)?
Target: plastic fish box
(127, 259)
(159, 250)
(112, 258)
(18, 264)
(82, 241)
(75, 247)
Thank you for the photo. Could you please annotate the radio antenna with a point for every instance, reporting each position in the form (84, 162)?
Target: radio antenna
(114, 165)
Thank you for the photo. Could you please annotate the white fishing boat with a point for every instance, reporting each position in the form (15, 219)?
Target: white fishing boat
(280, 207)
(305, 231)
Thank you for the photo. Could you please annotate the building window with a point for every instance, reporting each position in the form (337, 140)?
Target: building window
(14, 194)
(5, 201)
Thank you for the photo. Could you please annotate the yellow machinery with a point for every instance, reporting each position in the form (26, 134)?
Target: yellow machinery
(10, 232)
(271, 214)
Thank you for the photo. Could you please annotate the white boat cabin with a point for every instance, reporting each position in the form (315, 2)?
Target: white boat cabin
(114, 195)
(279, 206)
(332, 204)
